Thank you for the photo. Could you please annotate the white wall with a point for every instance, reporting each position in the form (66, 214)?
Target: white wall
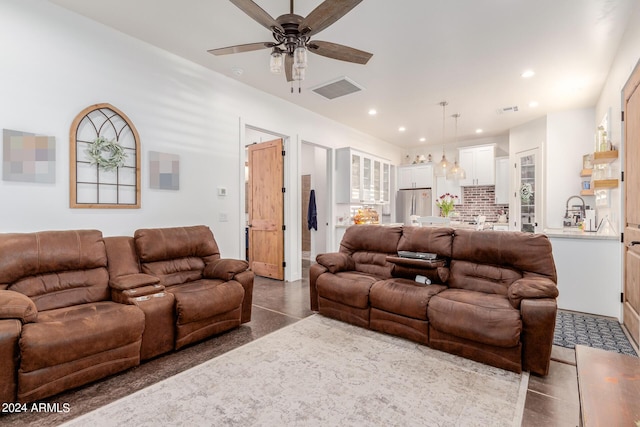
(569, 137)
(56, 63)
(610, 102)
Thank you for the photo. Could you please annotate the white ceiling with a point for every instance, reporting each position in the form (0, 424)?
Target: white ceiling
(470, 53)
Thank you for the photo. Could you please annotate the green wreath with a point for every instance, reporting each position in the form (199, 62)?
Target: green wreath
(106, 154)
(526, 191)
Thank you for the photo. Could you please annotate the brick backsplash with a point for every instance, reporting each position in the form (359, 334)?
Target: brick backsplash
(479, 201)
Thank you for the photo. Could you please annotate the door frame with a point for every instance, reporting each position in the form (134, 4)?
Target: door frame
(631, 324)
(329, 203)
(265, 135)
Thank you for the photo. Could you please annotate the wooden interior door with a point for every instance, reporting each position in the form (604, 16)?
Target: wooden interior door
(266, 209)
(631, 297)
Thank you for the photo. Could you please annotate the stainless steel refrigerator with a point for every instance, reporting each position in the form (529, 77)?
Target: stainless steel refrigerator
(415, 201)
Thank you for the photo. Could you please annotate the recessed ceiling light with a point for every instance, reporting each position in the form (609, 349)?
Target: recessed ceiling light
(423, 139)
(402, 129)
(373, 112)
(479, 131)
(527, 74)
(237, 71)
(533, 104)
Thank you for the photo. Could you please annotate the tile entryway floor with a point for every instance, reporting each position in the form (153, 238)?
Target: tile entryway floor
(551, 400)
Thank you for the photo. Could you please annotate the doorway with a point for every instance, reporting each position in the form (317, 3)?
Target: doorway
(266, 209)
(315, 161)
(631, 248)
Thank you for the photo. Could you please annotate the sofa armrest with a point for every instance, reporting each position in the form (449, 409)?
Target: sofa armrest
(124, 289)
(224, 268)
(336, 261)
(531, 288)
(14, 305)
(10, 330)
(132, 281)
(314, 272)
(538, 325)
(245, 278)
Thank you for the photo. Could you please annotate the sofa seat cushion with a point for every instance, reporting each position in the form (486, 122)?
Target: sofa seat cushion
(476, 316)
(403, 296)
(72, 333)
(349, 287)
(202, 299)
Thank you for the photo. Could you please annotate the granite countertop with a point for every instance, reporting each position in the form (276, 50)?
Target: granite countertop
(576, 233)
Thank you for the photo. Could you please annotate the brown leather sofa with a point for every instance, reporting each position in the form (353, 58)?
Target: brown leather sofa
(492, 296)
(76, 307)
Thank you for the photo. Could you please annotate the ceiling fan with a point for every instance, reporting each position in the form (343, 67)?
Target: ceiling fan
(292, 34)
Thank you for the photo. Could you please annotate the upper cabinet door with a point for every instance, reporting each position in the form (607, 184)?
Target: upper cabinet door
(361, 178)
(479, 165)
(415, 176)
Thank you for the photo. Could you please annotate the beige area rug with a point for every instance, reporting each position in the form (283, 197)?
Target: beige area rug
(321, 372)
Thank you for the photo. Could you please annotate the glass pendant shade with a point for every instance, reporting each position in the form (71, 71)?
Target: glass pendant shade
(300, 57)
(442, 167)
(298, 74)
(462, 174)
(452, 174)
(276, 62)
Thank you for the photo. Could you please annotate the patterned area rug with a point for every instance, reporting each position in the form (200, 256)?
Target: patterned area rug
(592, 331)
(321, 372)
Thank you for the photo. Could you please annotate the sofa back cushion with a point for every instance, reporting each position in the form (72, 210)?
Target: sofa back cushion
(436, 240)
(489, 261)
(369, 246)
(175, 255)
(55, 268)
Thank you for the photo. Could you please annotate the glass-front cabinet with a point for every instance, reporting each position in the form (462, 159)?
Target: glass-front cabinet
(356, 173)
(361, 178)
(528, 197)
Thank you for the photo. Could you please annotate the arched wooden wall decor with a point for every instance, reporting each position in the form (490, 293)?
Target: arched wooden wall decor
(96, 186)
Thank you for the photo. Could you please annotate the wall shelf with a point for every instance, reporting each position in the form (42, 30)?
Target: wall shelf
(604, 157)
(590, 192)
(586, 172)
(600, 184)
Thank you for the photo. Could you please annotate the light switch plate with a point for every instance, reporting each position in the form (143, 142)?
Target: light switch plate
(222, 191)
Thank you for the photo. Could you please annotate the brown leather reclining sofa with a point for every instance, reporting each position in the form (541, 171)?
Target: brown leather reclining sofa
(76, 307)
(492, 296)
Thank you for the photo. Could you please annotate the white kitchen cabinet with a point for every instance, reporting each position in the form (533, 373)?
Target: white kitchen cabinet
(415, 176)
(360, 178)
(479, 165)
(502, 181)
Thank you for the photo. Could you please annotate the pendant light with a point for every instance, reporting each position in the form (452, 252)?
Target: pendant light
(443, 165)
(456, 172)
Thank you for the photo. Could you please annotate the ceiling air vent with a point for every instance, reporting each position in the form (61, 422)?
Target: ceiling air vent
(337, 88)
(504, 110)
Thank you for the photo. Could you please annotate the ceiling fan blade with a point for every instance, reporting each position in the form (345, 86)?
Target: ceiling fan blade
(326, 14)
(241, 48)
(338, 51)
(288, 67)
(257, 14)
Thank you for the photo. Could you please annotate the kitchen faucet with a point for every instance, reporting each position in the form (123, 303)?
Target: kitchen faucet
(576, 214)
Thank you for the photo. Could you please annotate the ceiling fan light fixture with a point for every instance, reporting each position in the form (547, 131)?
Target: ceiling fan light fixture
(298, 74)
(276, 61)
(300, 57)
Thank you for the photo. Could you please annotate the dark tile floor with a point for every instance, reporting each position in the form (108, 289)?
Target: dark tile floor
(551, 400)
